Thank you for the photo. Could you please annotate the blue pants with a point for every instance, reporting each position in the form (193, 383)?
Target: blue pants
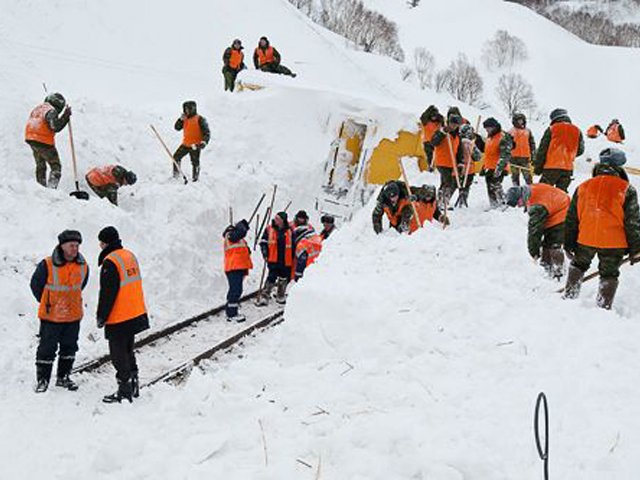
(277, 270)
(235, 279)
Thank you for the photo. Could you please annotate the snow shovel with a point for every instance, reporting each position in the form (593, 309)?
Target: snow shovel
(166, 149)
(79, 194)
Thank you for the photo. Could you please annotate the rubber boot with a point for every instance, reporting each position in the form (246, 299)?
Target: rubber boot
(195, 171)
(281, 293)
(54, 179)
(62, 375)
(43, 375)
(135, 385)
(545, 260)
(124, 393)
(557, 263)
(265, 295)
(574, 282)
(607, 292)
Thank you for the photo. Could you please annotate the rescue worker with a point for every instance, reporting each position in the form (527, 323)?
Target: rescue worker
(470, 154)
(395, 202)
(267, 59)
(328, 226)
(308, 247)
(195, 137)
(547, 207)
(105, 181)
(276, 246)
(57, 284)
(431, 120)
(561, 143)
(237, 263)
(615, 132)
(44, 122)
(121, 311)
(447, 158)
(301, 218)
(497, 157)
(603, 219)
(594, 131)
(233, 58)
(524, 148)
(456, 111)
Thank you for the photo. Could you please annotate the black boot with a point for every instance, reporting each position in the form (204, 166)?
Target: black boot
(195, 172)
(124, 392)
(135, 385)
(43, 375)
(281, 291)
(574, 282)
(556, 256)
(607, 292)
(64, 369)
(545, 260)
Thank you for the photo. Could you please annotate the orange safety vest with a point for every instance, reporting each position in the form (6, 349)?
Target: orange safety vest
(521, 149)
(237, 256)
(492, 151)
(102, 176)
(593, 132)
(236, 58)
(601, 212)
(265, 56)
(613, 133)
(192, 134)
(61, 300)
(442, 154)
(272, 257)
(425, 213)
(428, 129)
(312, 245)
(38, 129)
(563, 148)
(129, 302)
(554, 200)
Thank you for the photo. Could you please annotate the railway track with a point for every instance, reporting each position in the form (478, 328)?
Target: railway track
(169, 354)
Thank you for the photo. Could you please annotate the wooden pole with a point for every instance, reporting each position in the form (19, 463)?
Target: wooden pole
(166, 149)
(264, 265)
(406, 182)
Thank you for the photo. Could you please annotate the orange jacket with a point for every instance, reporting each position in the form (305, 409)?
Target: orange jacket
(272, 244)
(237, 256)
(236, 59)
(61, 300)
(192, 133)
(554, 200)
(101, 176)
(563, 148)
(492, 151)
(129, 302)
(38, 129)
(428, 129)
(442, 153)
(522, 147)
(601, 212)
(312, 245)
(593, 131)
(425, 213)
(265, 56)
(613, 133)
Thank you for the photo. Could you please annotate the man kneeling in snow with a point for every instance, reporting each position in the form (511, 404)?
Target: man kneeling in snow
(395, 202)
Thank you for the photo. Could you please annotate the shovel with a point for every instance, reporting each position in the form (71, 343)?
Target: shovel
(79, 194)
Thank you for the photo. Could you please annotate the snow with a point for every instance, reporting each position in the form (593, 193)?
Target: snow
(401, 357)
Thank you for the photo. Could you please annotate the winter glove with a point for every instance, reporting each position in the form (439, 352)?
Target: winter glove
(634, 258)
(298, 277)
(101, 322)
(569, 252)
(483, 172)
(377, 227)
(202, 145)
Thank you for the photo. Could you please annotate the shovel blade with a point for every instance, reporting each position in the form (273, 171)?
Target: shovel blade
(80, 195)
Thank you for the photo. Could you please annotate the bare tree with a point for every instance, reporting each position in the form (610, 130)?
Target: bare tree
(425, 64)
(406, 74)
(515, 94)
(305, 6)
(462, 80)
(504, 50)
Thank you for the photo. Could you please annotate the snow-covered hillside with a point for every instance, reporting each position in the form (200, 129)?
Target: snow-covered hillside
(401, 357)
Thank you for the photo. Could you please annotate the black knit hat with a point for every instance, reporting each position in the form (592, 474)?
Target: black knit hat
(69, 236)
(109, 235)
(283, 216)
(327, 219)
(491, 123)
(302, 215)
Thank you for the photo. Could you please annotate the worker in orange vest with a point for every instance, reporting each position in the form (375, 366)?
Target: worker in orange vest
(44, 122)
(524, 148)
(237, 263)
(57, 284)
(431, 120)
(604, 220)
(447, 158)
(547, 207)
(276, 246)
(121, 311)
(267, 59)
(615, 132)
(594, 131)
(105, 181)
(308, 247)
(471, 146)
(497, 157)
(233, 59)
(561, 143)
(328, 226)
(195, 137)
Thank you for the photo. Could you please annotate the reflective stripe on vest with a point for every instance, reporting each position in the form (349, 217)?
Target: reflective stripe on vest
(272, 257)
(192, 134)
(129, 302)
(601, 212)
(563, 148)
(522, 148)
(265, 56)
(236, 58)
(101, 176)
(554, 200)
(237, 256)
(442, 153)
(61, 299)
(38, 129)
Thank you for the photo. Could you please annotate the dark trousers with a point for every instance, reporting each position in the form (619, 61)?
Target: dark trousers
(276, 68)
(521, 166)
(53, 335)
(558, 178)
(277, 270)
(46, 155)
(610, 260)
(494, 188)
(108, 191)
(428, 150)
(123, 358)
(448, 186)
(235, 278)
(229, 78)
(181, 152)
